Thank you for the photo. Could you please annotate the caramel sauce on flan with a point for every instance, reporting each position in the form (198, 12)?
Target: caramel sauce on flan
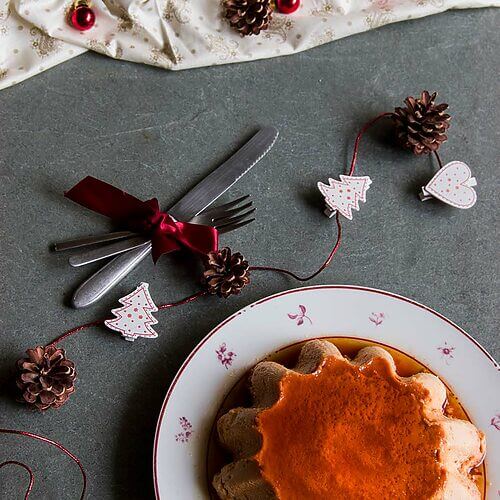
(359, 453)
(352, 442)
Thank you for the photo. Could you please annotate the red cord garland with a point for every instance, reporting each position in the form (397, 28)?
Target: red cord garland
(30, 472)
(74, 330)
(321, 268)
(181, 302)
(328, 260)
(364, 128)
(187, 300)
(51, 442)
(438, 158)
(98, 322)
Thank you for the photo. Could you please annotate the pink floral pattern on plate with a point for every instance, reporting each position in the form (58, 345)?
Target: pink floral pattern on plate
(224, 356)
(187, 430)
(446, 352)
(377, 318)
(301, 316)
(495, 421)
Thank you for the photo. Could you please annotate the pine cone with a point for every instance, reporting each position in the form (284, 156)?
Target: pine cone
(226, 274)
(421, 125)
(248, 17)
(46, 378)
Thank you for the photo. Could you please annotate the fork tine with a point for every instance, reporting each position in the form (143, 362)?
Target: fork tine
(229, 213)
(231, 227)
(233, 220)
(226, 206)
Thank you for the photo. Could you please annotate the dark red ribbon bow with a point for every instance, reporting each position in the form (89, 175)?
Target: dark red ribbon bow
(143, 217)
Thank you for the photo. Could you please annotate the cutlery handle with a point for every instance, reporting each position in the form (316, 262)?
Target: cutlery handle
(108, 276)
(91, 240)
(100, 253)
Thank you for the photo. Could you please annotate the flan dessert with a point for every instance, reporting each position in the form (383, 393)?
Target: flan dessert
(335, 428)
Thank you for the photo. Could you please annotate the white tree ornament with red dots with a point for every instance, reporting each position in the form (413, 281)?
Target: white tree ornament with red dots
(135, 318)
(344, 195)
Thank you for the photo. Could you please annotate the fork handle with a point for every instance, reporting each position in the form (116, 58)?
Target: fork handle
(108, 276)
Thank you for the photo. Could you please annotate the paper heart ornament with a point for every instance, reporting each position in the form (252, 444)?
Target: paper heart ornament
(344, 195)
(452, 184)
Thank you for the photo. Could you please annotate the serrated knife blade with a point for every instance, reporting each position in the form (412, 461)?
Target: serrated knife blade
(228, 173)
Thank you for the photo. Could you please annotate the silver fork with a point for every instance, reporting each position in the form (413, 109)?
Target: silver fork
(225, 218)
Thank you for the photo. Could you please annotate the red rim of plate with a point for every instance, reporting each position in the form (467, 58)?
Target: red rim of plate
(271, 297)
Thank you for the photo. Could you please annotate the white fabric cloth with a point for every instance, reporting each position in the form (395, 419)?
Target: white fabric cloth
(179, 34)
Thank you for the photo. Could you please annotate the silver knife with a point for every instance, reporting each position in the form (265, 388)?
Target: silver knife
(194, 202)
(92, 240)
(95, 254)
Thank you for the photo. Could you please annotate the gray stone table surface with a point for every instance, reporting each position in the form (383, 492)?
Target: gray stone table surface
(153, 132)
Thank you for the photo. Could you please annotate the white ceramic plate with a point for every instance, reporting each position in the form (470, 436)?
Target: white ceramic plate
(238, 343)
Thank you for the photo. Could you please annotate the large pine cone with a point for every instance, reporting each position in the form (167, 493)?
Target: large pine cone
(248, 17)
(226, 274)
(421, 125)
(46, 378)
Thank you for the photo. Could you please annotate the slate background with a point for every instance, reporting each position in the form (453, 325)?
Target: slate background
(153, 132)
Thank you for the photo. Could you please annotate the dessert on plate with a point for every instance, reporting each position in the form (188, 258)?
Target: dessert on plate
(336, 428)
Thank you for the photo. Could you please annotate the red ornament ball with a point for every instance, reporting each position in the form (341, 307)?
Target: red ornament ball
(82, 17)
(287, 6)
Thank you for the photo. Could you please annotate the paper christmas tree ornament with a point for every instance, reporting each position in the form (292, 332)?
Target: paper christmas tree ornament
(344, 195)
(135, 318)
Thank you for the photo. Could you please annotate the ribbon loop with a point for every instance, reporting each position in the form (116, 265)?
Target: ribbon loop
(144, 217)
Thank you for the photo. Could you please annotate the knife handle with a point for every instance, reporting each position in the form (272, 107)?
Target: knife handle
(108, 276)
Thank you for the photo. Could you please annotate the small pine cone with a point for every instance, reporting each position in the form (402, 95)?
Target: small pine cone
(46, 378)
(421, 125)
(248, 17)
(226, 274)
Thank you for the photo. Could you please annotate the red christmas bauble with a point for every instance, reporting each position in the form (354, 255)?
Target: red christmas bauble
(82, 17)
(287, 6)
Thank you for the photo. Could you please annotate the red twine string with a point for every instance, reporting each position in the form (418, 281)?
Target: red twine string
(98, 322)
(364, 128)
(438, 158)
(328, 260)
(30, 472)
(51, 442)
(323, 266)
(181, 302)
(75, 330)
(187, 300)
